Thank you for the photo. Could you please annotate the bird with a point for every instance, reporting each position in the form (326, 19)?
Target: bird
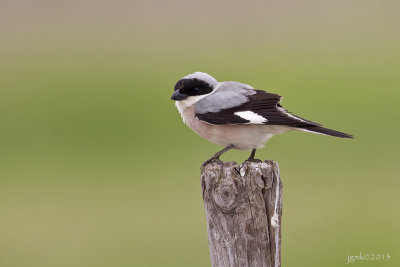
(235, 115)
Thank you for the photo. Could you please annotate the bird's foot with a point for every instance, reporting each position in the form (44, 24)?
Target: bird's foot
(213, 158)
(216, 156)
(253, 160)
(252, 155)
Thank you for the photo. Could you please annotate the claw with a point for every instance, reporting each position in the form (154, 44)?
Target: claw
(210, 160)
(216, 156)
(254, 160)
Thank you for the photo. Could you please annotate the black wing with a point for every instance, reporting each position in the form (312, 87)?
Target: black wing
(261, 103)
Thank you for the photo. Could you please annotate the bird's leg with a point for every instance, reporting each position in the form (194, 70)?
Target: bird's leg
(253, 153)
(217, 155)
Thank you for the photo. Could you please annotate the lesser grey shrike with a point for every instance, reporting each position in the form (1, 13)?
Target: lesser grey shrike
(235, 115)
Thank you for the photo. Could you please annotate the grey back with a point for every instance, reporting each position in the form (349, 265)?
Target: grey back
(226, 95)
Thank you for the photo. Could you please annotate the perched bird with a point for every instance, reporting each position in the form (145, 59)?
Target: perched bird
(235, 115)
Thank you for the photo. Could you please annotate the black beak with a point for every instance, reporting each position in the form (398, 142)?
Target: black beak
(178, 96)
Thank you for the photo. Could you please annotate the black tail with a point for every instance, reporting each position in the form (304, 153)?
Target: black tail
(322, 130)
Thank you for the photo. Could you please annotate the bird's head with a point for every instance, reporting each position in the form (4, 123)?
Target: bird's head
(193, 87)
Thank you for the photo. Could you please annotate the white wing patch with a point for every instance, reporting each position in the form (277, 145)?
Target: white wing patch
(251, 116)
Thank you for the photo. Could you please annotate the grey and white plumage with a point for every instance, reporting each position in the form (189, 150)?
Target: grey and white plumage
(235, 115)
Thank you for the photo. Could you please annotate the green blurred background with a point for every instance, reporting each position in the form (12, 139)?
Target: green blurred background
(97, 168)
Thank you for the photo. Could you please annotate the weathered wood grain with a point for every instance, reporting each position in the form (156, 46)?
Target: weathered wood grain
(243, 206)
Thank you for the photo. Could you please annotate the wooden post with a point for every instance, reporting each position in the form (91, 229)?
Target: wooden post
(243, 206)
